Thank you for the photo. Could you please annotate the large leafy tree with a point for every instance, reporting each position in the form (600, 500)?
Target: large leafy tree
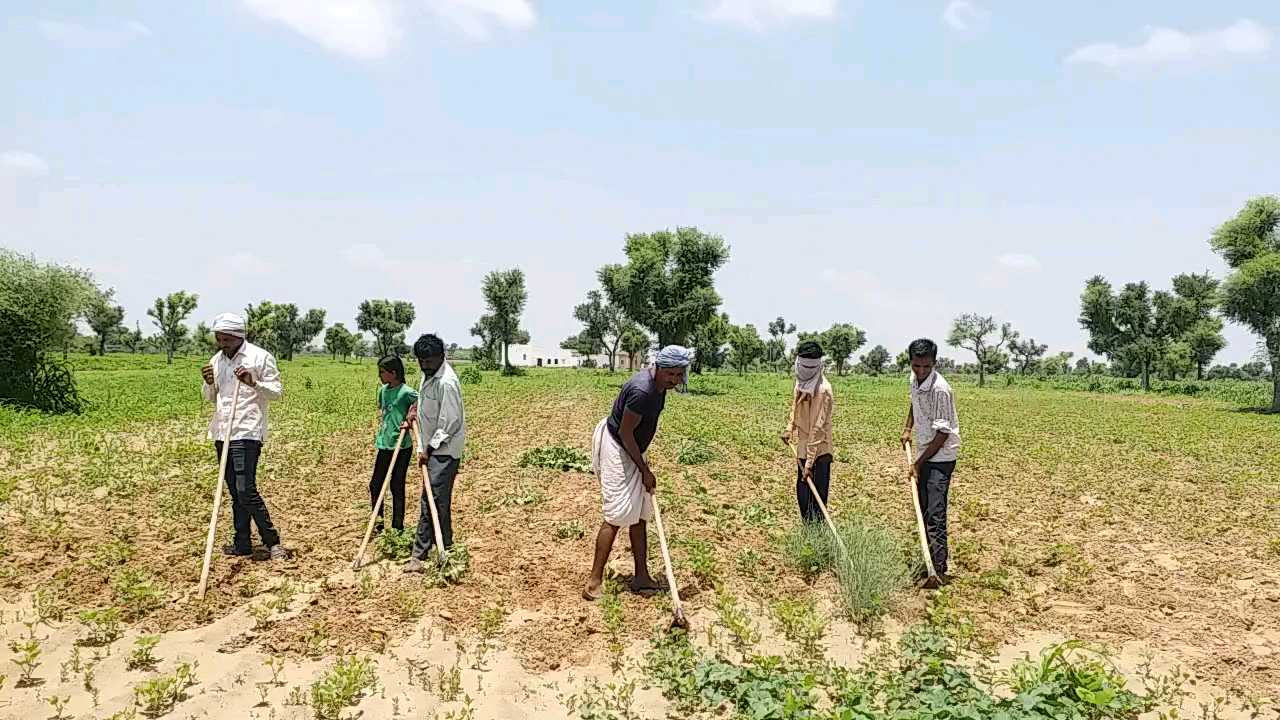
(975, 333)
(133, 340)
(1124, 326)
(104, 318)
(667, 283)
(1250, 243)
(840, 342)
(505, 295)
(775, 351)
(280, 328)
(387, 320)
(202, 340)
(635, 342)
(38, 303)
(1026, 354)
(487, 353)
(708, 341)
(168, 314)
(1188, 314)
(603, 324)
(745, 347)
(875, 361)
(339, 341)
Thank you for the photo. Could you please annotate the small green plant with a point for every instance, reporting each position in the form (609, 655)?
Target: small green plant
(276, 666)
(26, 655)
(159, 695)
(523, 495)
(49, 608)
(102, 626)
(262, 614)
(735, 621)
(466, 712)
(136, 591)
(1274, 546)
(695, 452)
(557, 458)
(801, 623)
(297, 697)
(457, 562)
(59, 705)
(748, 563)
(449, 682)
(394, 544)
(470, 375)
(758, 515)
(492, 619)
(409, 604)
(316, 641)
(142, 657)
(366, 584)
(608, 701)
(809, 549)
(569, 530)
(284, 594)
(702, 561)
(125, 714)
(611, 609)
(342, 687)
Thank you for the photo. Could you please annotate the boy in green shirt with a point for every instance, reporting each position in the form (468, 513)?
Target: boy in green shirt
(394, 400)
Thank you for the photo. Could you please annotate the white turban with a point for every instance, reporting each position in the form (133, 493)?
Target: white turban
(674, 356)
(229, 324)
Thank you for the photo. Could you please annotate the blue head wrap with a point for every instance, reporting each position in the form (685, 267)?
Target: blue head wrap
(674, 356)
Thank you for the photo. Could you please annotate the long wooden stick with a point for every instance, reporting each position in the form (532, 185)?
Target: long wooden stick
(217, 488)
(377, 506)
(435, 517)
(676, 608)
(915, 501)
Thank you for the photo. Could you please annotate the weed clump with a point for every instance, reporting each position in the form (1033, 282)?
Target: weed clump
(470, 375)
(877, 565)
(696, 452)
(342, 687)
(161, 694)
(394, 544)
(556, 457)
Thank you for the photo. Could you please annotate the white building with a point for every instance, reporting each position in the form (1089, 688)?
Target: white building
(539, 356)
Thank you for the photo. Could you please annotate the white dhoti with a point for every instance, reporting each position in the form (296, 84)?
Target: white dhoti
(625, 501)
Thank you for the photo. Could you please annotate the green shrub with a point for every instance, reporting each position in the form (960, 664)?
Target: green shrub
(142, 657)
(877, 566)
(102, 626)
(342, 687)
(394, 544)
(136, 591)
(808, 549)
(569, 530)
(470, 375)
(556, 458)
(695, 452)
(161, 694)
(702, 561)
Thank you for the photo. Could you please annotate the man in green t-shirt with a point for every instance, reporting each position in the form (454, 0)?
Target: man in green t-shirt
(394, 400)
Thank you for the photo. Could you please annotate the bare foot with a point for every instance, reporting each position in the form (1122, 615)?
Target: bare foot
(593, 592)
(646, 586)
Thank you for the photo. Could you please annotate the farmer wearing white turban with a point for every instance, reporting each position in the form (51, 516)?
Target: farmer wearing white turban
(618, 458)
(243, 365)
(809, 429)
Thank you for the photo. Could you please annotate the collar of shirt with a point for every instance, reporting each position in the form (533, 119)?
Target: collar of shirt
(927, 385)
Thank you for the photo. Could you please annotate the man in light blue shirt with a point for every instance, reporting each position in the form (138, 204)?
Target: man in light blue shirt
(442, 430)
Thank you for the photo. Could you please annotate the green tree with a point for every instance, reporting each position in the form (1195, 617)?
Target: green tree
(361, 348)
(133, 340)
(38, 304)
(875, 361)
(104, 319)
(203, 340)
(635, 343)
(840, 342)
(667, 283)
(1250, 244)
(603, 324)
(278, 327)
(973, 332)
(902, 361)
(1026, 354)
(339, 341)
(1059, 364)
(1188, 315)
(745, 347)
(1124, 326)
(168, 314)
(776, 347)
(388, 320)
(505, 295)
(708, 341)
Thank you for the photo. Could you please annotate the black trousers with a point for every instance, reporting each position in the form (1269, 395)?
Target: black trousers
(932, 486)
(246, 503)
(441, 469)
(396, 491)
(809, 510)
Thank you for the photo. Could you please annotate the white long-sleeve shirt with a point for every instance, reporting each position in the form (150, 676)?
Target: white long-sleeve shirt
(442, 425)
(932, 409)
(251, 410)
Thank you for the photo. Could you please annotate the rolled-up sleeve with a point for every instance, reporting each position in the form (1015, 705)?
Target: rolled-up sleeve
(450, 420)
(268, 381)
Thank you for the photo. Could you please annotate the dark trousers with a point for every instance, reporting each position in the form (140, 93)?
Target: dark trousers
(441, 470)
(396, 491)
(932, 486)
(246, 503)
(809, 510)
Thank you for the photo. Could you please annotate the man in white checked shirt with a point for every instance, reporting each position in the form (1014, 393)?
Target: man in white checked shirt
(254, 369)
(932, 418)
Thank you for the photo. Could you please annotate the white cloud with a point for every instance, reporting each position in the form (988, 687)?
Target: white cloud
(477, 18)
(964, 16)
(758, 14)
(105, 36)
(1019, 261)
(364, 29)
(24, 163)
(1243, 38)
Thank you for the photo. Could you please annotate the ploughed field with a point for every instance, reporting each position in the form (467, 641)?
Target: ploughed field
(1110, 518)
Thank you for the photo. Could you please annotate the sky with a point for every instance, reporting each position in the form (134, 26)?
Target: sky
(888, 164)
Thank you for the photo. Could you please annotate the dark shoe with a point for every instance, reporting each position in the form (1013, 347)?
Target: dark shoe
(234, 551)
(279, 553)
(413, 566)
(936, 582)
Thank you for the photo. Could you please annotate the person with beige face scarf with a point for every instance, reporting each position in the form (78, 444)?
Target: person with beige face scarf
(809, 429)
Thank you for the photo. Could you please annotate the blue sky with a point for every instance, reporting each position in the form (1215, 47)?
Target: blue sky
(890, 164)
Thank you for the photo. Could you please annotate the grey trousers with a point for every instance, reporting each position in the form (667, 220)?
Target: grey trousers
(441, 471)
(932, 486)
